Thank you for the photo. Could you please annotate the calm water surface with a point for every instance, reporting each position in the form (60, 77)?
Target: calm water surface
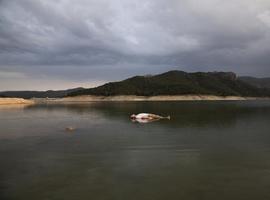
(208, 150)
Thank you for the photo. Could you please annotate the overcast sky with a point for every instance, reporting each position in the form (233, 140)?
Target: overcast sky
(56, 44)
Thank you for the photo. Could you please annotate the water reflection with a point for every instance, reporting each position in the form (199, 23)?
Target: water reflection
(144, 121)
(208, 150)
(184, 114)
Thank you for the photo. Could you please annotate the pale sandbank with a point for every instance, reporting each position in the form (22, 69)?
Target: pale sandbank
(15, 101)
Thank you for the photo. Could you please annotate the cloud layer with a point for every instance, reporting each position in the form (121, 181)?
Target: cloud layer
(89, 40)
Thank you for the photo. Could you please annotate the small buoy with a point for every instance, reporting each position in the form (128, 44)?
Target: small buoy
(70, 129)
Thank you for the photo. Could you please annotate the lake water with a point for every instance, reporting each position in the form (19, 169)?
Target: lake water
(208, 150)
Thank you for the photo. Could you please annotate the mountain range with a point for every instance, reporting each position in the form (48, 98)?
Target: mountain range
(169, 83)
(39, 94)
(180, 83)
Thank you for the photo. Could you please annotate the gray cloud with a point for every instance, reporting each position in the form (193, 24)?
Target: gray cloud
(93, 41)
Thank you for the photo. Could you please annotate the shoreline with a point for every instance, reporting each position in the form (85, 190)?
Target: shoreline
(130, 98)
(124, 98)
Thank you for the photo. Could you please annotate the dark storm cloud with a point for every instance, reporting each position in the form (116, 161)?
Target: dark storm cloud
(89, 40)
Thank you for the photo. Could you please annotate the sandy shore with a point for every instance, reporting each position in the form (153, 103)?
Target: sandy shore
(144, 98)
(89, 98)
(14, 101)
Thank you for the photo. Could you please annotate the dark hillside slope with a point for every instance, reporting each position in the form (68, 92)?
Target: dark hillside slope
(178, 83)
(257, 82)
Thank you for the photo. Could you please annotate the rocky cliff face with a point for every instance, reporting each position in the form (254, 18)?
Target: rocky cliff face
(227, 75)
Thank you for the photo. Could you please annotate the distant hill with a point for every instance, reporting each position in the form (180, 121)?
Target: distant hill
(38, 94)
(169, 83)
(257, 82)
(179, 83)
